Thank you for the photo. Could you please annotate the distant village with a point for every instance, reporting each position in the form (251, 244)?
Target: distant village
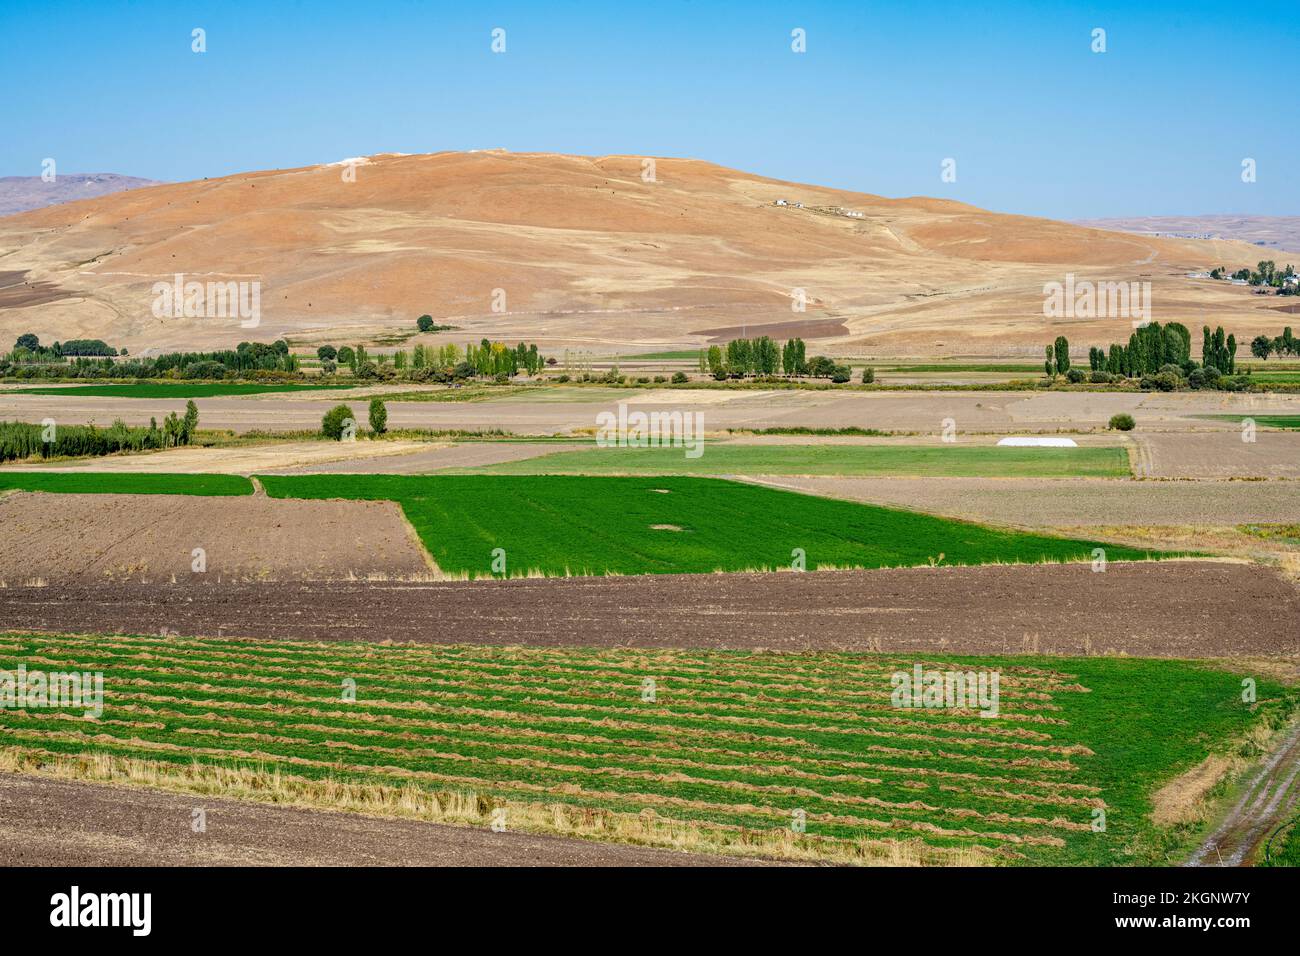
(832, 210)
(1265, 276)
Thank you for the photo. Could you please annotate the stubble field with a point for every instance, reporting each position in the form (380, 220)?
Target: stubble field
(794, 756)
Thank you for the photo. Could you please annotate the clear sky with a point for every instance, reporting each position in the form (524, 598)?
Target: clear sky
(1037, 122)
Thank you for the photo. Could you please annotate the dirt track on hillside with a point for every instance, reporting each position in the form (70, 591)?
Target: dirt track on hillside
(47, 822)
(1174, 609)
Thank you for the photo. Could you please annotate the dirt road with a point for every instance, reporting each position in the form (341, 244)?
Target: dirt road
(48, 822)
(1270, 798)
(1173, 609)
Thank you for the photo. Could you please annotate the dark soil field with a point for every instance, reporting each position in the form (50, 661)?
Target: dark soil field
(1188, 609)
(67, 823)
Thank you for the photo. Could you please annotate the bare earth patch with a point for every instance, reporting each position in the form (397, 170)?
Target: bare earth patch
(67, 538)
(50, 822)
(1151, 609)
(1067, 502)
(426, 458)
(1273, 454)
(247, 459)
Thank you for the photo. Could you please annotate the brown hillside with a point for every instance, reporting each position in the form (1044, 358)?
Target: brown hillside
(588, 254)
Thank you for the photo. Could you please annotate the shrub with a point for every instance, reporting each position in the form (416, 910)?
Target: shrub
(679, 378)
(1147, 383)
(336, 420)
(1075, 376)
(328, 368)
(1099, 377)
(868, 375)
(643, 380)
(1196, 378)
(562, 378)
(1122, 422)
(1168, 381)
(346, 355)
(378, 416)
(659, 379)
(424, 323)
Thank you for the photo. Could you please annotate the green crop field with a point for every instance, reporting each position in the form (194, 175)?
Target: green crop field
(953, 461)
(1283, 847)
(596, 525)
(707, 750)
(123, 483)
(177, 390)
(1276, 378)
(1017, 369)
(1291, 422)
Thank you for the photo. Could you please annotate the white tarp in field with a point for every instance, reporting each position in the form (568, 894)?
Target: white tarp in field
(1037, 441)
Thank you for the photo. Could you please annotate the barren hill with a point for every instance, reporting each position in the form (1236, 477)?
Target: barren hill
(1279, 234)
(582, 252)
(21, 193)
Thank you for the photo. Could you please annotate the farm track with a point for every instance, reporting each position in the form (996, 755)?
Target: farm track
(1158, 609)
(1269, 799)
(48, 822)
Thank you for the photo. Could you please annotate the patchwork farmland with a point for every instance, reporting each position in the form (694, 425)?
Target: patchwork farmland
(702, 751)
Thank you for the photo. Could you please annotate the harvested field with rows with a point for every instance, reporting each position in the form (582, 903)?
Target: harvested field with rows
(791, 756)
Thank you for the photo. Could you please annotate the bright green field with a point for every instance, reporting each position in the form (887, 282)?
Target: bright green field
(1276, 378)
(966, 461)
(988, 367)
(682, 355)
(729, 748)
(1284, 847)
(1270, 421)
(82, 483)
(178, 390)
(592, 525)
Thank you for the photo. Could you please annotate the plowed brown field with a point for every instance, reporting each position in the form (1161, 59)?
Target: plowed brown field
(1160, 609)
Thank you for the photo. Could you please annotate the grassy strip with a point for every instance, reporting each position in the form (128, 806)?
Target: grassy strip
(952, 461)
(124, 483)
(176, 390)
(716, 775)
(1272, 421)
(987, 367)
(580, 525)
(1283, 847)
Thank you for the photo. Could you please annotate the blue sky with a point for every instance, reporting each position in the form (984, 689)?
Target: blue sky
(1157, 125)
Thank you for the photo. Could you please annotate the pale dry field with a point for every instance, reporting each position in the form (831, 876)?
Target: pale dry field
(245, 459)
(1223, 454)
(432, 459)
(56, 539)
(1068, 502)
(577, 410)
